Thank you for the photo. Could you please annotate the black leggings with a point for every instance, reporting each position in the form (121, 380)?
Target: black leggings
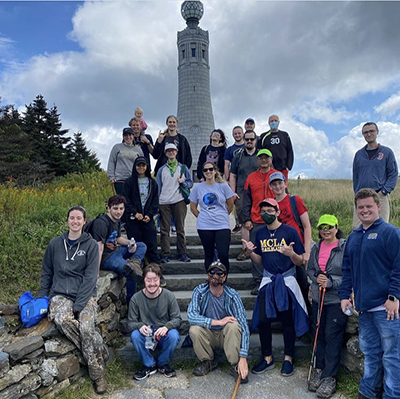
(221, 239)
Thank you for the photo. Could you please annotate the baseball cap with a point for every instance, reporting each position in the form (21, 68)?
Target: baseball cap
(331, 220)
(270, 202)
(127, 130)
(276, 176)
(249, 120)
(264, 151)
(139, 160)
(217, 265)
(170, 146)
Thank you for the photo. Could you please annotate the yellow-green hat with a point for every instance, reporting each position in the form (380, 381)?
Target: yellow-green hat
(264, 151)
(331, 220)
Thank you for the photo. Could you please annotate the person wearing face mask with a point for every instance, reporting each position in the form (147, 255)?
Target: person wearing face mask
(279, 143)
(218, 320)
(278, 248)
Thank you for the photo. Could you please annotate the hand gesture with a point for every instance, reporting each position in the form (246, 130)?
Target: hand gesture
(249, 245)
(287, 250)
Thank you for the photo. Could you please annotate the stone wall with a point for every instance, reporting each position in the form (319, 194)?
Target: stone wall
(39, 362)
(352, 357)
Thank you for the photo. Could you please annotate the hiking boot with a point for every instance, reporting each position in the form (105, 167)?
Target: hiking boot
(167, 370)
(263, 366)
(315, 382)
(205, 367)
(164, 259)
(100, 385)
(234, 373)
(244, 255)
(134, 268)
(163, 283)
(327, 387)
(184, 258)
(237, 229)
(287, 368)
(144, 373)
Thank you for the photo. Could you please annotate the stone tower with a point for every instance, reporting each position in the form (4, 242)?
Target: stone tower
(196, 120)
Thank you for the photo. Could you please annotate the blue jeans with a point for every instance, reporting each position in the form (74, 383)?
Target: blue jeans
(117, 261)
(380, 343)
(167, 343)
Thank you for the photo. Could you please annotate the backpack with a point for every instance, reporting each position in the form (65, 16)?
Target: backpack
(32, 310)
(89, 226)
(295, 212)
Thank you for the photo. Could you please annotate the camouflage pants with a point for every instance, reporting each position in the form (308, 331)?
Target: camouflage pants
(81, 332)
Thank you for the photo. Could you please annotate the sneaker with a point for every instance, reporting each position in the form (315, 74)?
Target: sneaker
(163, 283)
(134, 268)
(315, 380)
(287, 368)
(184, 258)
(263, 366)
(254, 291)
(244, 255)
(205, 367)
(234, 373)
(327, 388)
(167, 370)
(144, 373)
(173, 229)
(100, 385)
(164, 259)
(237, 229)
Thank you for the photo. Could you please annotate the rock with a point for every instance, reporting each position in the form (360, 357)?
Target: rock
(38, 329)
(30, 396)
(116, 288)
(353, 347)
(104, 302)
(52, 332)
(123, 326)
(104, 282)
(58, 346)
(24, 387)
(22, 347)
(106, 315)
(352, 325)
(113, 324)
(53, 390)
(16, 374)
(67, 366)
(82, 372)
(36, 363)
(13, 323)
(50, 366)
(33, 355)
(9, 309)
(4, 363)
(46, 377)
(2, 325)
(352, 363)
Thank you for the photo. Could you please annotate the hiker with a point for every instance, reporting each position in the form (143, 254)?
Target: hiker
(154, 319)
(371, 267)
(117, 254)
(141, 140)
(325, 270)
(216, 200)
(218, 321)
(278, 248)
(69, 274)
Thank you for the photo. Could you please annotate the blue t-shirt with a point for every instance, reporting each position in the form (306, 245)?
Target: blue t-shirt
(232, 151)
(212, 200)
(269, 241)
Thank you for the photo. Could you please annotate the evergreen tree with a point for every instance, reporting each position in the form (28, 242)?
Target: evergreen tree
(84, 159)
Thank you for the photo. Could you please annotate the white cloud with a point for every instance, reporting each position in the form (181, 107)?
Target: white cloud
(390, 106)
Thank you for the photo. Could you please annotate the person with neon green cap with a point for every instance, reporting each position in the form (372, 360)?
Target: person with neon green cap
(325, 270)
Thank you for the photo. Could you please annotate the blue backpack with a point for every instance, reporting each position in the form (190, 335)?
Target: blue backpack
(32, 310)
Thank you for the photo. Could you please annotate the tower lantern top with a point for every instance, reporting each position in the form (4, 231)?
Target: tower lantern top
(192, 11)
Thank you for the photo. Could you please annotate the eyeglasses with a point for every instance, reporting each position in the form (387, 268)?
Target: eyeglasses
(217, 272)
(368, 131)
(326, 227)
(249, 139)
(208, 170)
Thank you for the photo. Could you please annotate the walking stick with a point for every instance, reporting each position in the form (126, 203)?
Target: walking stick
(235, 391)
(321, 299)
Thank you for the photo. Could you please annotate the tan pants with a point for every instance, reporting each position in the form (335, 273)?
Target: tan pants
(228, 339)
(384, 213)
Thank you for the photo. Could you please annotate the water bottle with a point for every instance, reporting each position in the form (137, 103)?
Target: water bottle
(148, 344)
(132, 243)
(348, 311)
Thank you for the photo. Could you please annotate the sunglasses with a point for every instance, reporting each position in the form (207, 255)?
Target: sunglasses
(208, 170)
(326, 227)
(248, 139)
(217, 272)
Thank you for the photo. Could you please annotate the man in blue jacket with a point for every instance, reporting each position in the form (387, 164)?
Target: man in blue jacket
(371, 267)
(375, 167)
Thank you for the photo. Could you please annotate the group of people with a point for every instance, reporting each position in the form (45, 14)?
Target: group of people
(361, 273)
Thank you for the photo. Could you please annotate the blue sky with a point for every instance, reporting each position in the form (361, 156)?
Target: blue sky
(324, 67)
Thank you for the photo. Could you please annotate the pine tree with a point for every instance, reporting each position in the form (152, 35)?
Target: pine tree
(84, 159)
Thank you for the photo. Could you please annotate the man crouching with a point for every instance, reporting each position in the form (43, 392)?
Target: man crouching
(218, 321)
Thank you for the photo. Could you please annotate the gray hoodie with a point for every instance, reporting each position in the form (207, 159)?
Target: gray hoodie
(70, 270)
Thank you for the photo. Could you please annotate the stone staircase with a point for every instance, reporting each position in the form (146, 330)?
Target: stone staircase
(182, 278)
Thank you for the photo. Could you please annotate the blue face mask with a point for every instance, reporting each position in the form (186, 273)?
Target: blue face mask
(274, 125)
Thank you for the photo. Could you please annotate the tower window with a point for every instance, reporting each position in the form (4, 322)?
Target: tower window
(183, 54)
(193, 52)
(203, 53)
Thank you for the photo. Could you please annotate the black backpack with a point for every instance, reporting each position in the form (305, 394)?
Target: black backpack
(89, 226)
(295, 212)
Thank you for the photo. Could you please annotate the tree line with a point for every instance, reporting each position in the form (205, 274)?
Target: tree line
(35, 148)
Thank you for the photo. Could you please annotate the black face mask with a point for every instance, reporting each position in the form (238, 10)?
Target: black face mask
(268, 219)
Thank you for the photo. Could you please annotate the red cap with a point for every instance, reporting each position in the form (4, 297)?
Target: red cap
(270, 202)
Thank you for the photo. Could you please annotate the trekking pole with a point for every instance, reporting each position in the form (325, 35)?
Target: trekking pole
(321, 298)
(235, 391)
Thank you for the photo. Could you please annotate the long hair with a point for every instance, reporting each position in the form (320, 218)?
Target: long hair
(166, 121)
(218, 177)
(222, 135)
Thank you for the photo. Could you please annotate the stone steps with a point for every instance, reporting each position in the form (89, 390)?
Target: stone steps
(193, 239)
(197, 251)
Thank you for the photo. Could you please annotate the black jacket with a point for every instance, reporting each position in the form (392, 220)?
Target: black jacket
(203, 156)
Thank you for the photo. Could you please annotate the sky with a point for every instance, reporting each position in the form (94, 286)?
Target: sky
(324, 67)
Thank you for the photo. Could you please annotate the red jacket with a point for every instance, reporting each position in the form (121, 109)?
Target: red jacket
(256, 189)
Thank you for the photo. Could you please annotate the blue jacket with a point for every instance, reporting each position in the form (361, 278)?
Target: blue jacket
(371, 265)
(377, 173)
(233, 306)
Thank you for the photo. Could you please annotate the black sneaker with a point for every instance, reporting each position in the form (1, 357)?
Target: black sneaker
(167, 370)
(144, 373)
(263, 366)
(287, 368)
(184, 258)
(234, 373)
(164, 259)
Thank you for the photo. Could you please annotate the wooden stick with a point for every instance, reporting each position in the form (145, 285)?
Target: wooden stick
(235, 391)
